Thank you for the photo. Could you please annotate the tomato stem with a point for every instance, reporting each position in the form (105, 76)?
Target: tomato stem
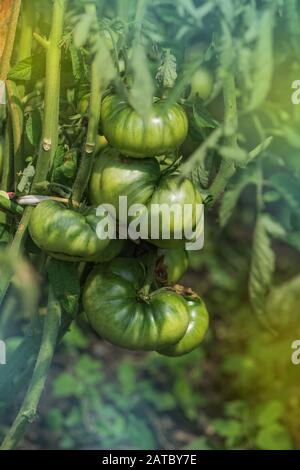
(27, 23)
(227, 168)
(17, 120)
(52, 93)
(150, 266)
(25, 38)
(28, 409)
(10, 206)
(50, 127)
(90, 145)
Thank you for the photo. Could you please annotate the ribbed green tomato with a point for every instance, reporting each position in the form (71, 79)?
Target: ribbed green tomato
(135, 136)
(141, 182)
(70, 235)
(114, 176)
(194, 335)
(119, 313)
(175, 263)
(173, 191)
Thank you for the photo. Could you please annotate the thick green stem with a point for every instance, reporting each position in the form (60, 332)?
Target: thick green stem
(227, 169)
(7, 173)
(28, 17)
(28, 410)
(50, 128)
(10, 206)
(139, 15)
(21, 364)
(27, 27)
(52, 94)
(17, 119)
(21, 361)
(15, 249)
(90, 145)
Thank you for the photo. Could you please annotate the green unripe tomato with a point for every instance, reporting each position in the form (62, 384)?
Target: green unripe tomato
(201, 84)
(120, 313)
(194, 335)
(70, 235)
(140, 180)
(114, 175)
(172, 190)
(175, 262)
(134, 136)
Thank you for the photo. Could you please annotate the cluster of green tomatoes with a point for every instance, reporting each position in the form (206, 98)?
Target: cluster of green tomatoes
(129, 300)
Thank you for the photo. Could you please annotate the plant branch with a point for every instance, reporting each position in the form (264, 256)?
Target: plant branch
(227, 169)
(88, 151)
(10, 206)
(28, 410)
(28, 18)
(15, 249)
(52, 94)
(50, 128)
(41, 40)
(17, 118)
(7, 172)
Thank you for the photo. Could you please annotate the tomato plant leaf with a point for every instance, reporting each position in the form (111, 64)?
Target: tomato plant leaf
(34, 127)
(83, 28)
(262, 261)
(263, 59)
(274, 437)
(166, 75)
(32, 68)
(202, 116)
(78, 67)
(26, 179)
(233, 194)
(64, 280)
(141, 93)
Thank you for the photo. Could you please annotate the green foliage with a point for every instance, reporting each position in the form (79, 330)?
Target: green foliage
(141, 92)
(126, 410)
(263, 261)
(64, 280)
(34, 127)
(240, 390)
(244, 426)
(32, 68)
(65, 166)
(166, 75)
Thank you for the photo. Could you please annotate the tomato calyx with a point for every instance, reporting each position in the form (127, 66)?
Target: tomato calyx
(173, 168)
(144, 293)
